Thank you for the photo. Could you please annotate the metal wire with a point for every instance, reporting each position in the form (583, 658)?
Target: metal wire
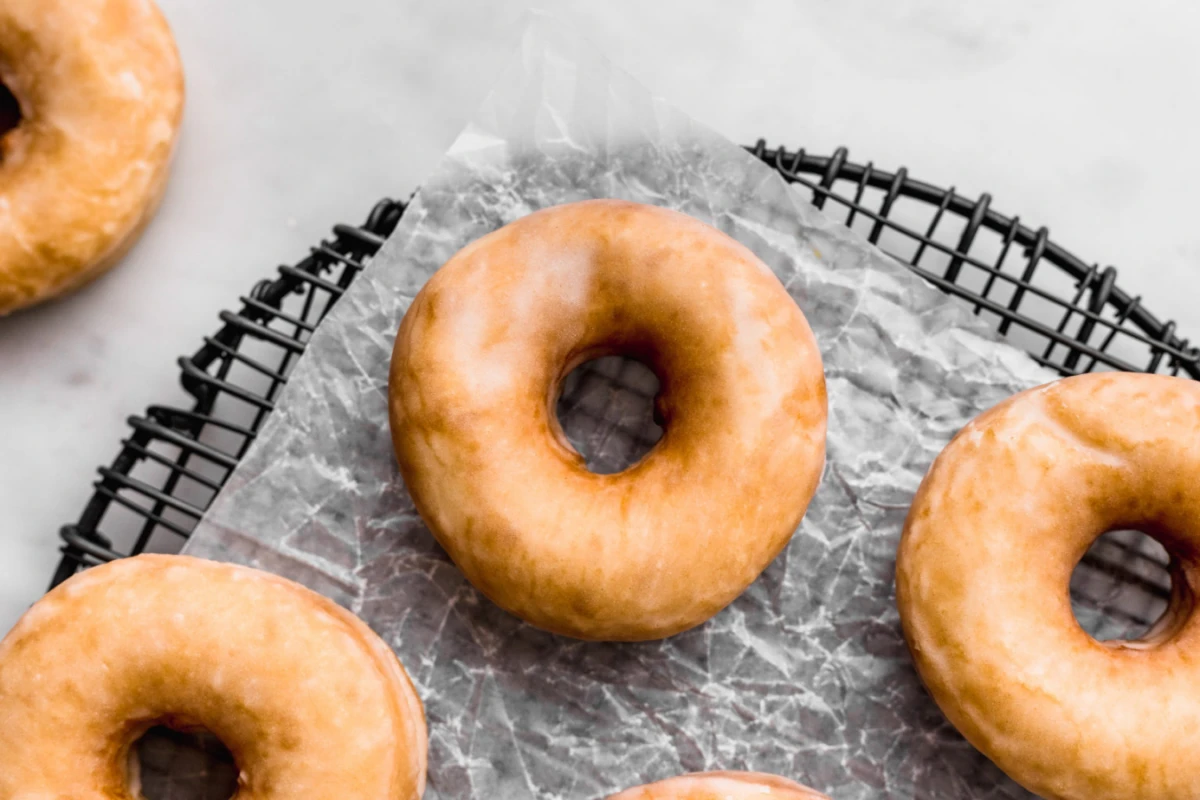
(1097, 304)
(1068, 314)
(195, 449)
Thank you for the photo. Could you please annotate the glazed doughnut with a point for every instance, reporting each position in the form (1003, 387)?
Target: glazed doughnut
(310, 703)
(662, 546)
(721, 786)
(1000, 522)
(101, 95)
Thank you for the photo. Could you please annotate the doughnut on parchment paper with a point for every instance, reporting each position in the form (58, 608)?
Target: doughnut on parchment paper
(806, 673)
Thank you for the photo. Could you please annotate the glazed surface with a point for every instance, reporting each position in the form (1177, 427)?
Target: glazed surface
(309, 702)
(721, 786)
(100, 87)
(665, 544)
(998, 525)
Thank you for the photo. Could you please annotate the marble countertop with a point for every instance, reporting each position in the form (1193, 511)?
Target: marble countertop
(1075, 114)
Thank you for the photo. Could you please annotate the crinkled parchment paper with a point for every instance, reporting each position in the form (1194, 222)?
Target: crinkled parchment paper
(806, 674)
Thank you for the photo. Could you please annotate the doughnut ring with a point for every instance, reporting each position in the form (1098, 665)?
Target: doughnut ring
(308, 700)
(100, 91)
(1000, 522)
(721, 786)
(662, 546)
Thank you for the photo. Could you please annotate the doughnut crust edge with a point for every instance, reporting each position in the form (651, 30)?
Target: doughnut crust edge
(100, 87)
(999, 523)
(667, 543)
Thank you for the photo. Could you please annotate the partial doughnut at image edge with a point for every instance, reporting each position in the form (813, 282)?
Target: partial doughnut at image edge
(1000, 522)
(307, 699)
(99, 86)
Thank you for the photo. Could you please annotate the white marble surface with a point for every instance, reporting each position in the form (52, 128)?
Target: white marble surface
(1077, 114)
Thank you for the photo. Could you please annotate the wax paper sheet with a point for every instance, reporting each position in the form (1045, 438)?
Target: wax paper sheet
(806, 674)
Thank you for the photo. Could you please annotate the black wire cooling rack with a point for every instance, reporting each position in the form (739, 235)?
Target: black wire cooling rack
(1068, 314)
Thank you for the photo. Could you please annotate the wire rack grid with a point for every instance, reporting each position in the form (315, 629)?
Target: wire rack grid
(1066, 313)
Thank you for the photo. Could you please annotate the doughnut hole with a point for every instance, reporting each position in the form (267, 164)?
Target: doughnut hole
(10, 110)
(173, 765)
(606, 409)
(1122, 587)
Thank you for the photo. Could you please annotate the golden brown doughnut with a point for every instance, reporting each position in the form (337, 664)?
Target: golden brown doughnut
(667, 543)
(1000, 522)
(721, 786)
(310, 704)
(101, 94)
(411, 712)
